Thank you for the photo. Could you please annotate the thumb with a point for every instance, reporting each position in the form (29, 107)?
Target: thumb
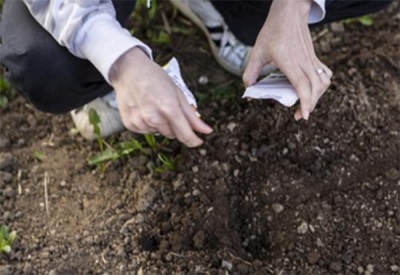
(253, 68)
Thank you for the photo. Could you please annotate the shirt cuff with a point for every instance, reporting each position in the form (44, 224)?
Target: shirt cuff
(102, 41)
(317, 12)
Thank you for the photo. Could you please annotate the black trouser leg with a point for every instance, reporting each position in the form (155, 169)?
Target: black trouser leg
(245, 18)
(51, 78)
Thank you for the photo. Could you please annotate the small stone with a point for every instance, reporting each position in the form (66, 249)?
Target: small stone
(196, 192)
(28, 268)
(7, 215)
(360, 269)
(303, 228)
(394, 268)
(335, 266)
(53, 272)
(139, 219)
(236, 173)
(285, 151)
(337, 27)
(370, 268)
(203, 152)
(195, 169)
(6, 177)
(9, 193)
(277, 207)
(313, 257)
(203, 80)
(227, 265)
(6, 160)
(63, 183)
(231, 126)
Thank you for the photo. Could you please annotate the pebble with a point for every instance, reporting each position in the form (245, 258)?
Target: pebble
(394, 268)
(360, 269)
(203, 80)
(370, 268)
(9, 193)
(196, 192)
(195, 169)
(5, 176)
(231, 126)
(303, 228)
(277, 207)
(313, 257)
(335, 266)
(203, 152)
(285, 151)
(236, 173)
(226, 264)
(53, 272)
(337, 27)
(6, 160)
(28, 268)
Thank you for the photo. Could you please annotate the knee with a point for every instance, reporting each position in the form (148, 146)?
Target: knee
(34, 77)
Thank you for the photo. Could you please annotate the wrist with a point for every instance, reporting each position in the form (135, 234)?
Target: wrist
(298, 7)
(134, 57)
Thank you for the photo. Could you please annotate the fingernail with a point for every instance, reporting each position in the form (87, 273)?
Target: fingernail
(306, 115)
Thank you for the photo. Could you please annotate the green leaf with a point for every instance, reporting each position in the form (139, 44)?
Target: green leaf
(39, 155)
(94, 119)
(6, 248)
(106, 155)
(366, 20)
(151, 141)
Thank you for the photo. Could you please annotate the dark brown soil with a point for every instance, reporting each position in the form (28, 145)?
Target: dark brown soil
(264, 195)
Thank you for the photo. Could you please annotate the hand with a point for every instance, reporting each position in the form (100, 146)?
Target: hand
(285, 41)
(150, 102)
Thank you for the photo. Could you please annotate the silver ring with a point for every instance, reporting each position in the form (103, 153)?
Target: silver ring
(320, 71)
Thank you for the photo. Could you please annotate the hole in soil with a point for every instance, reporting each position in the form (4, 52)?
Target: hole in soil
(149, 243)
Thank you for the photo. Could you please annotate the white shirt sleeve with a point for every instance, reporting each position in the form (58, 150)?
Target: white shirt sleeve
(87, 28)
(317, 12)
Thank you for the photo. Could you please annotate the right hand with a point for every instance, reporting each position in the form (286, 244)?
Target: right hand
(149, 102)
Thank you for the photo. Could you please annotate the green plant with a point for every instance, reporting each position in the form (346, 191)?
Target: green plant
(38, 155)
(6, 92)
(6, 239)
(365, 20)
(110, 153)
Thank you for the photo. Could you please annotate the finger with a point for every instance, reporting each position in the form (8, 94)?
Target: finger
(317, 86)
(254, 67)
(302, 86)
(298, 115)
(165, 130)
(183, 131)
(327, 70)
(195, 122)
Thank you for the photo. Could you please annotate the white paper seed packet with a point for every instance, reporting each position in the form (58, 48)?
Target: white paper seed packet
(275, 86)
(174, 72)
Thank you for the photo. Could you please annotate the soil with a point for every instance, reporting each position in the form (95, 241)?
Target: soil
(264, 195)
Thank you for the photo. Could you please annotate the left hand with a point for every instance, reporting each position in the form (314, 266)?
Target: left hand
(285, 41)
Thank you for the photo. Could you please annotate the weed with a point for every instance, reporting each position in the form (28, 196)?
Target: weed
(6, 239)
(110, 153)
(38, 156)
(365, 20)
(6, 92)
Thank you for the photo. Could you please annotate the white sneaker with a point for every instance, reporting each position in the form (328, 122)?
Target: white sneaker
(229, 52)
(107, 110)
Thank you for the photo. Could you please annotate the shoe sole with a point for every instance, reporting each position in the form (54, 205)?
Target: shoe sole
(185, 10)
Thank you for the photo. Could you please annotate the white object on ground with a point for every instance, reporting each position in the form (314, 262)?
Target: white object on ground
(275, 86)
